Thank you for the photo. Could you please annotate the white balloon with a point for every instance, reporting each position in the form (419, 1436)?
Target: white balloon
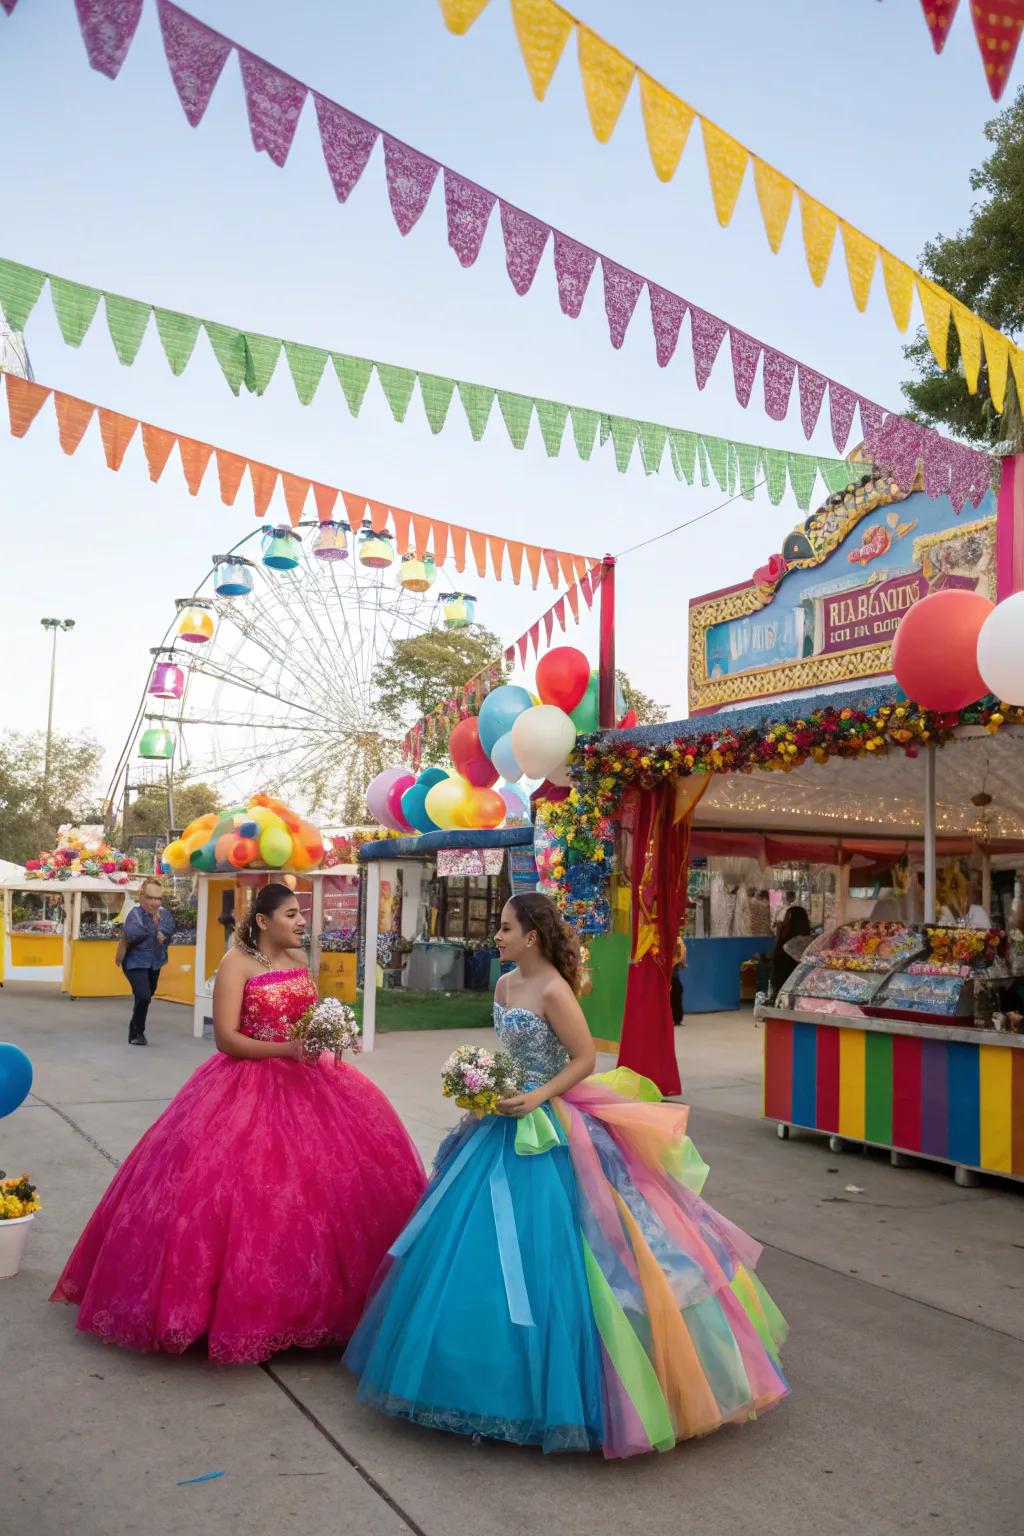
(560, 777)
(542, 738)
(1001, 650)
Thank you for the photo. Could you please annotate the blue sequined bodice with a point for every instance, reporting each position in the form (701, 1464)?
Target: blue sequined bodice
(533, 1043)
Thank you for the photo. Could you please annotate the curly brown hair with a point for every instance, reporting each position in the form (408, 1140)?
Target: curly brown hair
(559, 943)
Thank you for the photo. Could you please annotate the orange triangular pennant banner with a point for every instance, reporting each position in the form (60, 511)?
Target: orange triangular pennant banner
(533, 562)
(478, 542)
(325, 497)
(559, 612)
(458, 546)
(587, 590)
(421, 534)
(515, 560)
(551, 563)
(567, 568)
(378, 516)
(441, 531)
(581, 565)
(264, 484)
(194, 458)
(295, 492)
(355, 507)
(401, 519)
(73, 417)
(497, 548)
(117, 432)
(157, 445)
(230, 469)
(24, 402)
(573, 595)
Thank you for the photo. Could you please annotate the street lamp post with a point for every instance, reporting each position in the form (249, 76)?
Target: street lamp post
(54, 625)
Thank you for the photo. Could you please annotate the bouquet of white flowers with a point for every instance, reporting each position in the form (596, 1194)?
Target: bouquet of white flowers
(478, 1079)
(328, 1025)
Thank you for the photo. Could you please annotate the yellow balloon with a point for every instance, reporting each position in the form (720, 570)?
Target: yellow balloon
(176, 854)
(201, 824)
(445, 802)
(193, 841)
(299, 858)
(264, 817)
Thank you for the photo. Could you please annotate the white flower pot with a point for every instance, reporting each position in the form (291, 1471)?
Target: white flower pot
(13, 1236)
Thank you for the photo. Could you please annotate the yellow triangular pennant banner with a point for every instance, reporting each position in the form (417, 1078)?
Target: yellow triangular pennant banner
(899, 287)
(997, 356)
(727, 162)
(820, 225)
(459, 15)
(1017, 364)
(607, 76)
(861, 256)
(936, 318)
(968, 328)
(542, 29)
(667, 121)
(775, 196)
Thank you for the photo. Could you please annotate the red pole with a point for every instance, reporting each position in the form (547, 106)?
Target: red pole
(606, 662)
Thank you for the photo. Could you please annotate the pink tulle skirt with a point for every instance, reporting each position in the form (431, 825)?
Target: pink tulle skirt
(252, 1214)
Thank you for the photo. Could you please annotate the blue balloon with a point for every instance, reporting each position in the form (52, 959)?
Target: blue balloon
(249, 829)
(414, 805)
(499, 712)
(15, 1078)
(505, 760)
(431, 776)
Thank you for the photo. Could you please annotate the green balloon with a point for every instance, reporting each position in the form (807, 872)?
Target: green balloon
(586, 714)
(205, 858)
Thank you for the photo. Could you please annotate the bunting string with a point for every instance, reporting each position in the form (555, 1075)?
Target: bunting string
(543, 29)
(196, 56)
(444, 717)
(411, 531)
(249, 359)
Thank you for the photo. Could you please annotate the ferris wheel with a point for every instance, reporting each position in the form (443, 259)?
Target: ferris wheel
(266, 677)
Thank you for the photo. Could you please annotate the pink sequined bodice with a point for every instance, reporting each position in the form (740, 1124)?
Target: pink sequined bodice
(271, 1003)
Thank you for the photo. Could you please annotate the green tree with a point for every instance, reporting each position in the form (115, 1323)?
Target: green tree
(983, 266)
(647, 711)
(31, 808)
(426, 669)
(147, 815)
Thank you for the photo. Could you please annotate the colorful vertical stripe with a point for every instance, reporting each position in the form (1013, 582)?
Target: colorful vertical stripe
(949, 1099)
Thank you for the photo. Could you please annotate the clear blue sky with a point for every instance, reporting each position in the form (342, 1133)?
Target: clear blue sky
(106, 182)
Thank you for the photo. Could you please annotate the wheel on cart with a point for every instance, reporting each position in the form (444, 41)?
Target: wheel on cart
(782, 1131)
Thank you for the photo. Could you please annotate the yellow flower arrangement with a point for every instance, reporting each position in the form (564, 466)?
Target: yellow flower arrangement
(17, 1198)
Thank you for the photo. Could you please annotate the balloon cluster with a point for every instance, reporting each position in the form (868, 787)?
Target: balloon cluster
(263, 834)
(515, 735)
(82, 851)
(955, 647)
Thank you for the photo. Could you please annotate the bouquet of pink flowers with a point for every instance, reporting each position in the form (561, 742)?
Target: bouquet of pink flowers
(328, 1025)
(478, 1079)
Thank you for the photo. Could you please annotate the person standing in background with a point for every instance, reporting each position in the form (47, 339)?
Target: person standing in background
(147, 933)
(676, 990)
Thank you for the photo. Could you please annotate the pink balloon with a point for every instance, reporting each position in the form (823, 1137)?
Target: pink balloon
(469, 757)
(395, 794)
(377, 798)
(935, 651)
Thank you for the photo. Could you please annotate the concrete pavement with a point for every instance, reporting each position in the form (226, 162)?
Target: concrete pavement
(906, 1304)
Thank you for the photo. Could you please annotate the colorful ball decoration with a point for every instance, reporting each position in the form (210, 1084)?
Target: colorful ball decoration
(935, 650)
(563, 676)
(469, 755)
(499, 712)
(1001, 650)
(195, 625)
(542, 738)
(275, 846)
(265, 834)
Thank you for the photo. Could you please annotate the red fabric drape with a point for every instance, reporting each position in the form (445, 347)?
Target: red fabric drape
(661, 858)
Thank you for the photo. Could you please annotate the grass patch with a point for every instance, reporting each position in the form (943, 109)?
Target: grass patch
(399, 1009)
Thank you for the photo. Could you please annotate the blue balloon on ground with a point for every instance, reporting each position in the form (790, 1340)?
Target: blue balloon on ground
(499, 712)
(431, 776)
(414, 806)
(504, 759)
(15, 1078)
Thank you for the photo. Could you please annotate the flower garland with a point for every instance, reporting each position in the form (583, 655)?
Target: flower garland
(574, 849)
(18, 1198)
(343, 849)
(81, 851)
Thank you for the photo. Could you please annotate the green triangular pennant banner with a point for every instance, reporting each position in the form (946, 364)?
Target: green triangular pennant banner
(803, 471)
(307, 366)
(683, 447)
(717, 451)
(746, 462)
(229, 350)
(354, 377)
(551, 416)
(261, 355)
(398, 385)
(652, 445)
(20, 288)
(623, 431)
(127, 320)
(178, 333)
(775, 462)
(75, 306)
(516, 411)
(436, 392)
(584, 429)
(836, 473)
(477, 400)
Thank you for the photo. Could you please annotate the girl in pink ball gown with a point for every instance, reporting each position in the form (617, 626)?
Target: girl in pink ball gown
(254, 1212)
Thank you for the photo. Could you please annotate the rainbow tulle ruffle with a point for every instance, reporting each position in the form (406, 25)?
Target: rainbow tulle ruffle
(563, 1284)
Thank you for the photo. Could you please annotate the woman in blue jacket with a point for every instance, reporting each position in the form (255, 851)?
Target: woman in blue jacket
(147, 931)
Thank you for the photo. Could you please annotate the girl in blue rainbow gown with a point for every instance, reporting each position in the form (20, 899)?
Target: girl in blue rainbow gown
(561, 1282)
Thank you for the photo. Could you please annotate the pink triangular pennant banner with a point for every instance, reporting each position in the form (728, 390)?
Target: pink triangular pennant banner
(812, 391)
(347, 144)
(841, 404)
(621, 290)
(522, 644)
(707, 334)
(667, 313)
(468, 208)
(573, 595)
(549, 625)
(746, 354)
(196, 55)
(8, 6)
(535, 637)
(778, 383)
(574, 267)
(411, 178)
(587, 590)
(275, 101)
(525, 238)
(559, 612)
(108, 27)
